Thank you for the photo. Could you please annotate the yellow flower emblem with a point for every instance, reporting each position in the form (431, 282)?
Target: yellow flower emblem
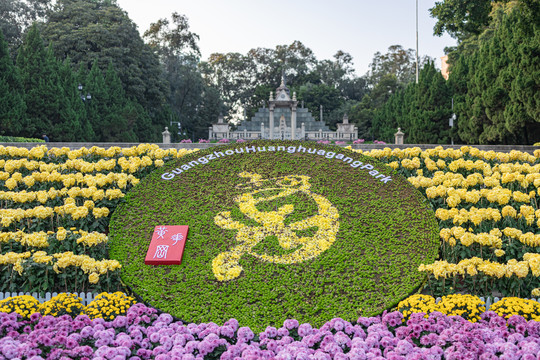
(272, 223)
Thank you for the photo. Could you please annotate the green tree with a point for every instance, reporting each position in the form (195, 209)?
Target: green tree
(209, 109)
(422, 110)
(461, 18)
(332, 73)
(398, 62)
(105, 109)
(90, 31)
(138, 124)
(386, 119)
(354, 88)
(12, 106)
(361, 114)
(522, 113)
(323, 95)
(233, 74)
(390, 73)
(72, 111)
(384, 89)
(38, 96)
(178, 41)
(48, 108)
(340, 74)
(428, 108)
(496, 85)
(186, 93)
(191, 99)
(269, 68)
(297, 62)
(17, 15)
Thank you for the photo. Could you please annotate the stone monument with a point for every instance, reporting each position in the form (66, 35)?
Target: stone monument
(283, 119)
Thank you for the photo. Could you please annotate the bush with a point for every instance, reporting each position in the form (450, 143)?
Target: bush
(109, 305)
(417, 303)
(509, 306)
(63, 304)
(9, 139)
(469, 307)
(24, 305)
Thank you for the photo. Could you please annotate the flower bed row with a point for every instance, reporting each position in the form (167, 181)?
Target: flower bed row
(111, 305)
(227, 141)
(54, 210)
(487, 205)
(143, 334)
(105, 305)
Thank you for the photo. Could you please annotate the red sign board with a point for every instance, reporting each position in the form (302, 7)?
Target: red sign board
(167, 245)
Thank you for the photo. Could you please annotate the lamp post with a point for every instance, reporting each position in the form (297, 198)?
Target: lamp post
(83, 97)
(417, 41)
(178, 126)
(451, 123)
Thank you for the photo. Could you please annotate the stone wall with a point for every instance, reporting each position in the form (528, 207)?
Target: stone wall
(498, 148)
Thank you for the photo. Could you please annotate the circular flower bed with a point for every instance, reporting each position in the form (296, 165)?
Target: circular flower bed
(277, 230)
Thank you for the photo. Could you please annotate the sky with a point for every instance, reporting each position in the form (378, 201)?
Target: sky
(358, 27)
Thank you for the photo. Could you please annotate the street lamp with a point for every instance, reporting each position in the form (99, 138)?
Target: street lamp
(178, 126)
(417, 41)
(84, 97)
(451, 122)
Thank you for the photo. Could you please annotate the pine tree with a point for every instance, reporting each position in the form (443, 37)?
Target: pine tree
(72, 113)
(118, 126)
(496, 82)
(388, 118)
(421, 110)
(12, 106)
(39, 98)
(96, 106)
(138, 122)
(458, 84)
(88, 133)
(492, 86)
(49, 109)
(362, 114)
(469, 108)
(522, 113)
(429, 108)
(110, 114)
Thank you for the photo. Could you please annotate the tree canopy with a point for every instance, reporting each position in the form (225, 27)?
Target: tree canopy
(12, 105)
(496, 82)
(79, 71)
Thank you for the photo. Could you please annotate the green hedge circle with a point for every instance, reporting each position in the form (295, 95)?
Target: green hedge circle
(276, 234)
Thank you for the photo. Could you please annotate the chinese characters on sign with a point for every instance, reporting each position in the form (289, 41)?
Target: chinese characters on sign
(167, 245)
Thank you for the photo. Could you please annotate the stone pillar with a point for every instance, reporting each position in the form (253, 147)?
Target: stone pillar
(262, 130)
(210, 133)
(399, 137)
(166, 136)
(271, 107)
(303, 133)
(245, 134)
(293, 122)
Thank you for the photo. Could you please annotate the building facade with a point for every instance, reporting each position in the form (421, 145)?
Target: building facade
(283, 119)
